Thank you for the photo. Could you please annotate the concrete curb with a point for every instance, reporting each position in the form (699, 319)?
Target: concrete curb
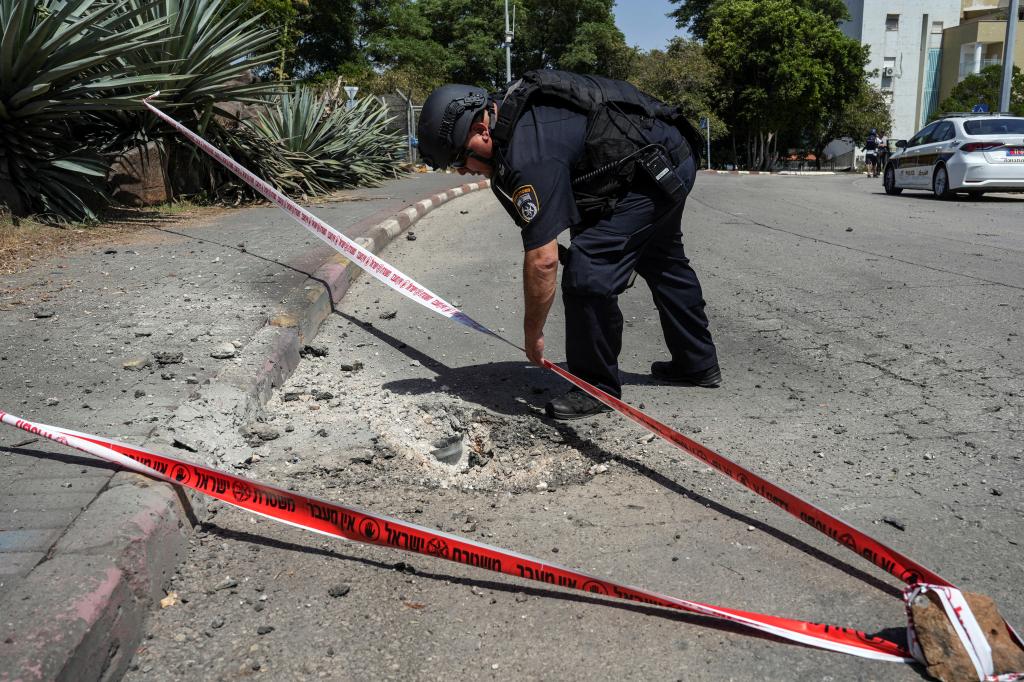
(87, 605)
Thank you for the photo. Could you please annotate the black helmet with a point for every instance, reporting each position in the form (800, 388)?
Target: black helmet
(445, 121)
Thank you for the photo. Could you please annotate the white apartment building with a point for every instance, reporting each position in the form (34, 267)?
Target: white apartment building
(905, 37)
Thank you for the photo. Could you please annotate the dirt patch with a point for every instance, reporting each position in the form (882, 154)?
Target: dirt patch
(23, 242)
(430, 441)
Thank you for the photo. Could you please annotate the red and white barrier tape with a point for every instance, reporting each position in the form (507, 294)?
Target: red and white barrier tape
(860, 543)
(885, 558)
(351, 523)
(363, 258)
(967, 629)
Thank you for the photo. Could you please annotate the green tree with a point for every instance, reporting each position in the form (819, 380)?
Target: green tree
(577, 35)
(984, 87)
(281, 16)
(696, 14)
(782, 66)
(471, 31)
(867, 109)
(681, 75)
(396, 38)
(327, 37)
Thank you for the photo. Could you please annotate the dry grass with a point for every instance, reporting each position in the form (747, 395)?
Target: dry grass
(24, 241)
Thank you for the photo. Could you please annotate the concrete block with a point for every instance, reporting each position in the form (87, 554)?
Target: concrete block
(139, 526)
(73, 618)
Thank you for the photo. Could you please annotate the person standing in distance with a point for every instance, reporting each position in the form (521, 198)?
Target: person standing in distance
(871, 153)
(612, 165)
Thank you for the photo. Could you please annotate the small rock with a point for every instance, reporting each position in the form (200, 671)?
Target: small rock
(411, 236)
(264, 630)
(137, 364)
(167, 376)
(217, 622)
(520, 597)
(339, 590)
(895, 523)
(403, 567)
(598, 469)
(290, 396)
(192, 379)
(264, 432)
(225, 584)
(53, 402)
(110, 251)
(164, 357)
(322, 395)
(322, 433)
(353, 366)
(542, 485)
(849, 229)
(389, 315)
(224, 351)
(997, 492)
(463, 211)
(311, 351)
(139, 393)
(43, 314)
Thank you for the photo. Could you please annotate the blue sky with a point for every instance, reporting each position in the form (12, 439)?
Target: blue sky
(644, 22)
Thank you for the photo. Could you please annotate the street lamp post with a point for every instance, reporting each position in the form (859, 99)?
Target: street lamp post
(1008, 46)
(509, 32)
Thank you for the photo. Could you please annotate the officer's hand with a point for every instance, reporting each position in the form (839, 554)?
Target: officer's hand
(535, 348)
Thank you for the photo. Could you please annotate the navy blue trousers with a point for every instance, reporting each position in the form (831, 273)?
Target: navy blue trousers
(643, 234)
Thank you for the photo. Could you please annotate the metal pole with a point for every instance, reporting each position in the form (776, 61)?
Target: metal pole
(709, 143)
(1008, 46)
(508, 47)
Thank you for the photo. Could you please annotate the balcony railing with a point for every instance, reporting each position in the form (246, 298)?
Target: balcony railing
(970, 66)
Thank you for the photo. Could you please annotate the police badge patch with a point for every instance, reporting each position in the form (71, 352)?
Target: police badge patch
(527, 203)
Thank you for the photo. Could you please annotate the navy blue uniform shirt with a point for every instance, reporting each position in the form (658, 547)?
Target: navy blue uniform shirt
(534, 183)
(534, 180)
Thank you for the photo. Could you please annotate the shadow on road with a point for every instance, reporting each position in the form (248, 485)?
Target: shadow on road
(482, 385)
(897, 635)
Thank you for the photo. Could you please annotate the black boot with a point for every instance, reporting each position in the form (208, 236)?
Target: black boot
(574, 405)
(708, 378)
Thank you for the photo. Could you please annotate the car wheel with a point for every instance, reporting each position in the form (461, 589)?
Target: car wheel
(889, 181)
(940, 183)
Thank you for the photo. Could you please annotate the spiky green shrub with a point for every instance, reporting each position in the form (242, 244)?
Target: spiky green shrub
(59, 63)
(329, 145)
(211, 49)
(73, 72)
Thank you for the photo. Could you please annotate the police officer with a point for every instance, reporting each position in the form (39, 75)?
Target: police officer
(613, 166)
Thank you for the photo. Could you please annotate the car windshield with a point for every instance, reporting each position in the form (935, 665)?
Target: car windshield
(994, 126)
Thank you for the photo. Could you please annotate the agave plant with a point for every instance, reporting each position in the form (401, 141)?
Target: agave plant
(331, 146)
(210, 49)
(59, 62)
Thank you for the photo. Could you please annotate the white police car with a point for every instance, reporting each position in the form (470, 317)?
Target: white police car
(972, 153)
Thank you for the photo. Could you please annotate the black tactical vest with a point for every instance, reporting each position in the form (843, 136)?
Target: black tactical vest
(619, 117)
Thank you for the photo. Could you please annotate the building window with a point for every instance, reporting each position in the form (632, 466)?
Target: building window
(892, 22)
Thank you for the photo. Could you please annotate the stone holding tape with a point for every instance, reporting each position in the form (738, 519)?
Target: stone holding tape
(945, 655)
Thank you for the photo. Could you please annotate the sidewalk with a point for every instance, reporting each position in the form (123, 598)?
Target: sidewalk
(164, 339)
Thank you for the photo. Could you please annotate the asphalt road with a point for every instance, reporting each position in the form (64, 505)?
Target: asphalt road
(872, 363)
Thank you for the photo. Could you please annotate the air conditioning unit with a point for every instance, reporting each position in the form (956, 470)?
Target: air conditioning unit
(888, 71)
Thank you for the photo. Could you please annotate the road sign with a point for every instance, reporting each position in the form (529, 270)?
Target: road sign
(704, 122)
(350, 91)
(979, 108)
